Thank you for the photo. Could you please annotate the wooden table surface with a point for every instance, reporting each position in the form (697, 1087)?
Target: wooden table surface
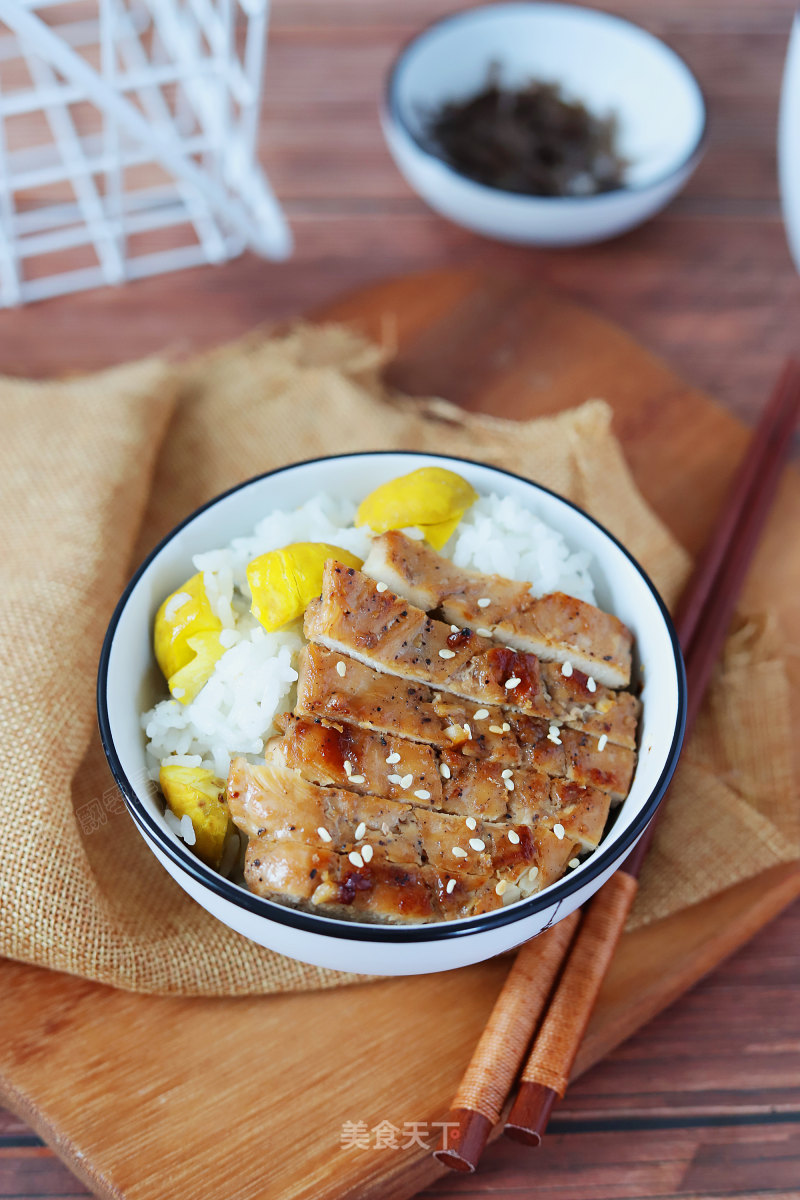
(705, 1102)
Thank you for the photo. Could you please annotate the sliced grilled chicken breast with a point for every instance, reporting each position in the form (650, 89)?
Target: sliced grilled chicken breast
(556, 627)
(337, 688)
(446, 781)
(380, 857)
(394, 637)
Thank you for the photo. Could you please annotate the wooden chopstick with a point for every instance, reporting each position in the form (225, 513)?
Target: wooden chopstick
(702, 631)
(500, 1051)
(498, 1055)
(695, 596)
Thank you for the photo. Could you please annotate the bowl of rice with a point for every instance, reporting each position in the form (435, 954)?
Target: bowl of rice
(516, 529)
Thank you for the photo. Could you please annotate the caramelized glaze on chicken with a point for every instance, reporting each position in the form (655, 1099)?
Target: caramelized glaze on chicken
(308, 841)
(430, 771)
(370, 764)
(376, 628)
(395, 707)
(556, 628)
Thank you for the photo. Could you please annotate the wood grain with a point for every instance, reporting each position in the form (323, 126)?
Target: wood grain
(305, 1064)
(710, 274)
(709, 285)
(704, 1099)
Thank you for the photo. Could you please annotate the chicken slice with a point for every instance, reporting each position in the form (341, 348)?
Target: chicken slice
(365, 762)
(610, 769)
(276, 807)
(366, 698)
(379, 891)
(397, 708)
(595, 710)
(556, 627)
(321, 877)
(448, 782)
(378, 629)
(275, 801)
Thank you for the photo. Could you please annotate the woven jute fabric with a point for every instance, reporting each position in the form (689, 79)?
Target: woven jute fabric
(94, 471)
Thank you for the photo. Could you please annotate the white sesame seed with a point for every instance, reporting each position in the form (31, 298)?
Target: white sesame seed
(451, 886)
(422, 794)
(361, 829)
(482, 631)
(553, 735)
(477, 844)
(558, 830)
(591, 685)
(480, 715)
(384, 829)
(501, 887)
(447, 654)
(367, 852)
(406, 782)
(380, 587)
(484, 602)
(513, 682)
(357, 778)
(566, 669)
(396, 779)
(444, 771)
(533, 872)
(509, 784)
(506, 727)
(603, 739)
(355, 858)
(467, 731)
(454, 629)
(178, 692)
(471, 823)
(495, 729)
(348, 766)
(573, 863)
(323, 833)
(506, 774)
(513, 837)
(458, 852)
(341, 669)
(393, 758)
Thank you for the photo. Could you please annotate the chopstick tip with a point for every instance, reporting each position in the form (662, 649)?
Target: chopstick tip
(530, 1113)
(467, 1142)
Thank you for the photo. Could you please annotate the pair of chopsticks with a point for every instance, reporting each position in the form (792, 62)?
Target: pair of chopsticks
(562, 970)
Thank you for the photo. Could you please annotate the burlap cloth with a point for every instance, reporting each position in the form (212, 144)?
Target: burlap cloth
(94, 471)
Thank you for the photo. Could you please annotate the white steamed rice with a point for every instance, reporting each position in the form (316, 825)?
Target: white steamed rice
(254, 679)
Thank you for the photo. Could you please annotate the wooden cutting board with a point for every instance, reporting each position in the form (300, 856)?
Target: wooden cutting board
(163, 1099)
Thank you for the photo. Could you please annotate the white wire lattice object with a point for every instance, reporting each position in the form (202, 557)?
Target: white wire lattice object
(128, 141)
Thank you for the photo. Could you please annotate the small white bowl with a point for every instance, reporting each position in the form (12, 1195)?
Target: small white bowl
(606, 63)
(125, 688)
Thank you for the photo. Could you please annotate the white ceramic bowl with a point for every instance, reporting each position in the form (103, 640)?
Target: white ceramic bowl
(789, 143)
(127, 683)
(608, 64)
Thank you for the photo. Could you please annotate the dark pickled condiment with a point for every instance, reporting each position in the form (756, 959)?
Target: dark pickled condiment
(532, 141)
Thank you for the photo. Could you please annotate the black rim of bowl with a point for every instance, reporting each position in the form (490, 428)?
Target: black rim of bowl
(601, 860)
(394, 109)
